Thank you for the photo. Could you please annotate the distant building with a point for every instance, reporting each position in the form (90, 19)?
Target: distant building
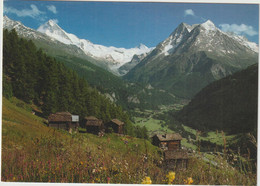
(115, 125)
(64, 120)
(167, 141)
(93, 125)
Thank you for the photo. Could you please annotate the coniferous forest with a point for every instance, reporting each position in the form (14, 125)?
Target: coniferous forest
(32, 76)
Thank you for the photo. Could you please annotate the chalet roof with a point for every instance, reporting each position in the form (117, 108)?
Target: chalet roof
(169, 137)
(60, 116)
(91, 118)
(175, 154)
(93, 121)
(118, 122)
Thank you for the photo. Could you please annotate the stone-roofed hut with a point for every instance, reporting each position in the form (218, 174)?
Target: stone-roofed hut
(93, 125)
(167, 141)
(64, 120)
(115, 125)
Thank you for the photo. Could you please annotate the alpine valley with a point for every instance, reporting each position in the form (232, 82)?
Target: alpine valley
(98, 69)
(173, 72)
(200, 82)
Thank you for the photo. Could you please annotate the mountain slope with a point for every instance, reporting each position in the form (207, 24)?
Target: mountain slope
(34, 152)
(128, 95)
(50, 34)
(229, 104)
(34, 35)
(32, 76)
(192, 57)
(124, 69)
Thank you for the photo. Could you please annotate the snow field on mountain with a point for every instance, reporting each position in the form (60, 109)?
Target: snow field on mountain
(112, 54)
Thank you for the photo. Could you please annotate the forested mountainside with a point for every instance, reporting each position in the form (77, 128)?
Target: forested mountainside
(127, 95)
(229, 104)
(32, 76)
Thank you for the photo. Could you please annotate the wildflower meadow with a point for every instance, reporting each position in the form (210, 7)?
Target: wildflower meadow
(33, 152)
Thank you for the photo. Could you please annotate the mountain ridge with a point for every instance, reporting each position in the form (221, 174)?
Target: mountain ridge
(192, 57)
(116, 56)
(109, 58)
(126, 94)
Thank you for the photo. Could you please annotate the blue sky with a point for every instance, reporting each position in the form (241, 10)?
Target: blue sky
(127, 24)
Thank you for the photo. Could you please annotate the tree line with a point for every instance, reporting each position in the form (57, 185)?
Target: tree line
(32, 76)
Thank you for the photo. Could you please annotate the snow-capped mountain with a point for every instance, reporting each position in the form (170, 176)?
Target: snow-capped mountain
(243, 41)
(205, 37)
(192, 57)
(117, 56)
(23, 30)
(128, 66)
(41, 38)
(51, 34)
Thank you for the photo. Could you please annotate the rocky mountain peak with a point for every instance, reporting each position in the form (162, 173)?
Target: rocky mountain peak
(50, 26)
(209, 25)
(51, 22)
(142, 46)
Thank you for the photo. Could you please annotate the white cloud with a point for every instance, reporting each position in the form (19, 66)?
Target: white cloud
(189, 12)
(52, 9)
(239, 29)
(33, 12)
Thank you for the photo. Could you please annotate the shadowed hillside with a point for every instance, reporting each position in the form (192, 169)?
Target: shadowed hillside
(229, 104)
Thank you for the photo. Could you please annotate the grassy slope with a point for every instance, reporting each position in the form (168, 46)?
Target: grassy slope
(32, 152)
(35, 152)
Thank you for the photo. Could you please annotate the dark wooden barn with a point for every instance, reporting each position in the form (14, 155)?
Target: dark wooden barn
(174, 156)
(175, 159)
(115, 126)
(93, 125)
(64, 120)
(167, 141)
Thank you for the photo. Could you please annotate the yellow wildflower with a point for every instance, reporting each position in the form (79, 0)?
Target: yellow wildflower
(147, 180)
(97, 180)
(14, 178)
(188, 181)
(170, 177)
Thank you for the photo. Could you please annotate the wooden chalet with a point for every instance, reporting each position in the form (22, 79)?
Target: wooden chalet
(115, 125)
(167, 141)
(64, 120)
(93, 125)
(175, 159)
